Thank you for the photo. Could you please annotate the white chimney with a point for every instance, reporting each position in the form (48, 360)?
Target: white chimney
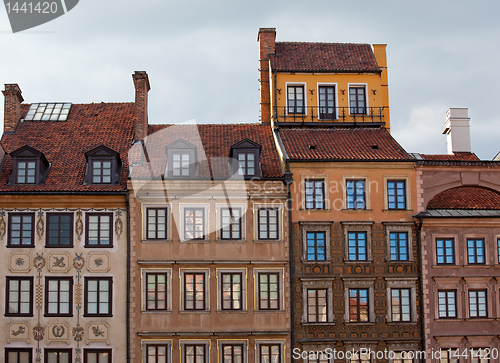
(457, 130)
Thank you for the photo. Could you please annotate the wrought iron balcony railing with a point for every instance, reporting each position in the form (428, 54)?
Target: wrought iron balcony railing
(347, 116)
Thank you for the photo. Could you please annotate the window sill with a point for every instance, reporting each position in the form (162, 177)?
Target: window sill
(20, 315)
(97, 315)
(194, 241)
(20, 246)
(349, 210)
(58, 315)
(194, 311)
(359, 323)
(446, 266)
(478, 266)
(394, 262)
(396, 323)
(448, 320)
(306, 323)
(314, 209)
(268, 240)
(156, 241)
(308, 262)
(357, 262)
(58, 246)
(268, 311)
(156, 311)
(98, 246)
(397, 210)
(232, 311)
(482, 319)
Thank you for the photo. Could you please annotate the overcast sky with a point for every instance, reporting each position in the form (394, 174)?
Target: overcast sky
(202, 58)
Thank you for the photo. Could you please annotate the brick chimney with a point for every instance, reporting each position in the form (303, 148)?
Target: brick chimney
(457, 130)
(141, 83)
(267, 46)
(12, 109)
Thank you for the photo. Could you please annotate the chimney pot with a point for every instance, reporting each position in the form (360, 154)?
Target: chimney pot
(12, 109)
(142, 87)
(457, 130)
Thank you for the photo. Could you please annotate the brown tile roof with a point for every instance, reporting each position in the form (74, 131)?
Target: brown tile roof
(374, 144)
(64, 144)
(451, 157)
(213, 143)
(324, 57)
(466, 198)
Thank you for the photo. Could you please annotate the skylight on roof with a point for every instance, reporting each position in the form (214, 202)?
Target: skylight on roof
(48, 112)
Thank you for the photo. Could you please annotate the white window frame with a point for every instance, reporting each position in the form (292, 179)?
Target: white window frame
(357, 283)
(324, 283)
(402, 283)
(256, 208)
(244, 342)
(243, 213)
(329, 84)
(243, 272)
(281, 343)
(406, 179)
(146, 342)
(304, 84)
(184, 342)
(168, 290)
(366, 179)
(281, 291)
(358, 227)
(358, 85)
(206, 209)
(395, 227)
(316, 227)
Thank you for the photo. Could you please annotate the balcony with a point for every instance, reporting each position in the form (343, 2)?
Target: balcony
(329, 116)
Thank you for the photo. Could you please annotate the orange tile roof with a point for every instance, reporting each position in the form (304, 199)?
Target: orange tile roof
(213, 143)
(363, 144)
(64, 144)
(323, 57)
(451, 157)
(467, 197)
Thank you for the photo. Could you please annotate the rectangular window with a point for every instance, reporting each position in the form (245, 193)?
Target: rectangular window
(99, 230)
(194, 223)
(156, 291)
(231, 298)
(327, 103)
(19, 296)
(361, 358)
(316, 247)
(232, 353)
(357, 100)
(98, 296)
(58, 355)
(450, 355)
(101, 171)
(475, 252)
(180, 164)
(58, 296)
(445, 251)
(396, 194)
(447, 304)
(358, 305)
(399, 246)
(478, 307)
(402, 357)
(96, 356)
(246, 163)
(26, 172)
(21, 230)
(59, 230)
(315, 194)
(18, 355)
(355, 194)
(357, 246)
(195, 353)
(270, 353)
(295, 99)
(156, 353)
(268, 223)
(156, 223)
(269, 290)
(400, 304)
(316, 305)
(194, 291)
(480, 355)
(231, 223)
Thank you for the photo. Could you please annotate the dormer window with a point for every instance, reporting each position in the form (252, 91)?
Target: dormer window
(246, 155)
(181, 159)
(103, 166)
(29, 166)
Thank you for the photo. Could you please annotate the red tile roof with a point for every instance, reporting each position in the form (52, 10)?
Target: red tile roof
(213, 143)
(466, 198)
(342, 144)
(64, 144)
(451, 157)
(324, 57)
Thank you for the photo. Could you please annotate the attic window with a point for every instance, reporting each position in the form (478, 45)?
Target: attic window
(247, 158)
(104, 166)
(181, 159)
(29, 166)
(48, 112)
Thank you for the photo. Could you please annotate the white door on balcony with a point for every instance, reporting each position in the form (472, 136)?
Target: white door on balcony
(327, 102)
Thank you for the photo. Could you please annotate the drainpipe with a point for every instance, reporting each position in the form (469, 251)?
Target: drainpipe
(289, 181)
(275, 100)
(127, 313)
(421, 278)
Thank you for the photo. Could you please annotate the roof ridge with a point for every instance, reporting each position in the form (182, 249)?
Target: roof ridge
(295, 42)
